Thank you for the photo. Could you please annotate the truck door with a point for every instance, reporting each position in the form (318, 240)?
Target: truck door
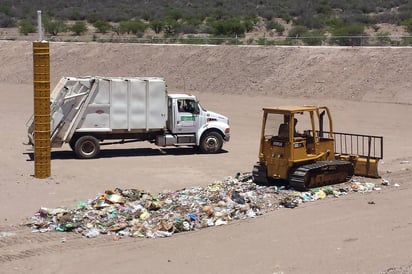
(187, 116)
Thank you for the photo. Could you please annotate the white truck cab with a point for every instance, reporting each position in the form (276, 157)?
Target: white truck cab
(189, 123)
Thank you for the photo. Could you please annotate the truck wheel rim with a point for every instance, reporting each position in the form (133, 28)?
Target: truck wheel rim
(88, 148)
(212, 144)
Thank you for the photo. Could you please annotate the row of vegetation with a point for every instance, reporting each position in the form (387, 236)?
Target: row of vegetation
(313, 22)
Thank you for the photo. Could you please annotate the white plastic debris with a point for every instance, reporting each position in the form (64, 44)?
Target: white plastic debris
(385, 182)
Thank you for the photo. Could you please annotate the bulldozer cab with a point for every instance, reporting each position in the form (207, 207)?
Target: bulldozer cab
(292, 135)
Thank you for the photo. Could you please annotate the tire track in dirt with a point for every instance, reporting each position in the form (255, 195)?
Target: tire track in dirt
(20, 243)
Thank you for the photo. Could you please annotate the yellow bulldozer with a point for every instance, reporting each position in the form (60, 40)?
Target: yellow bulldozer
(298, 146)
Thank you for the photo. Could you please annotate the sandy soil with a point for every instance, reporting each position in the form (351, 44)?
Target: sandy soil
(367, 89)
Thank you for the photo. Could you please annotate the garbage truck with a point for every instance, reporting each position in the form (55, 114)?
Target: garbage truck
(87, 111)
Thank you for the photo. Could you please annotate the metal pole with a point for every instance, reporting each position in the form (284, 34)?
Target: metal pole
(39, 26)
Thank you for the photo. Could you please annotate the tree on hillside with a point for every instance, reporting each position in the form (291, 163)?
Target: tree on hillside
(136, 27)
(276, 26)
(297, 31)
(313, 38)
(169, 29)
(348, 35)
(78, 28)
(230, 27)
(102, 27)
(53, 27)
(157, 26)
(93, 17)
(26, 27)
(408, 24)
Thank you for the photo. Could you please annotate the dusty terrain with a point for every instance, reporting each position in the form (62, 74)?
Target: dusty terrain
(367, 89)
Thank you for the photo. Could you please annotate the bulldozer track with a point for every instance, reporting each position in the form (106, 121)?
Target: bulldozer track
(259, 174)
(320, 173)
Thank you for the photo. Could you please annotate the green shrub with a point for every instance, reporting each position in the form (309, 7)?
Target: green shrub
(194, 40)
(74, 15)
(26, 27)
(173, 14)
(93, 17)
(229, 27)
(314, 38)
(284, 42)
(348, 35)
(408, 24)
(169, 29)
(78, 28)
(102, 26)
(334, 22)
(53, 27)
(383, 38)
(406, 41)
(233, 41)
(276, 26)
(249, 22)
(297, 31)
(265, 42)
(132, 26)
(156, 26)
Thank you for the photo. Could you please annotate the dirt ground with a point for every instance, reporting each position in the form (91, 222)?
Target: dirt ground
(369, 91)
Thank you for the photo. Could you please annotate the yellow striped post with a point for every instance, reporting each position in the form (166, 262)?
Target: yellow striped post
(41, 83)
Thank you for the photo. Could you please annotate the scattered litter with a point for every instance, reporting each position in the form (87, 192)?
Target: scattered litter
(7, 234)
(137, 213)
(385, 182)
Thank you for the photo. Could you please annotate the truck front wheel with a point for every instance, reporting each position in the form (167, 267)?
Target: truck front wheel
(87, 147)
(211, 142)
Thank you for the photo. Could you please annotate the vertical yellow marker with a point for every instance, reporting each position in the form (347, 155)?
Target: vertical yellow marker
(41, 84)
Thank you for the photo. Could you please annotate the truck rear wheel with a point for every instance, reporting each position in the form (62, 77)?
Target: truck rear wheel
(211, 142)
(87, 147)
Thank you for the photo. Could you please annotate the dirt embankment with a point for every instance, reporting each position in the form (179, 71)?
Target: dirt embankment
(366, 74)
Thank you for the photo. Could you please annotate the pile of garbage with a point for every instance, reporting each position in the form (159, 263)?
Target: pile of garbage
(137, 213)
